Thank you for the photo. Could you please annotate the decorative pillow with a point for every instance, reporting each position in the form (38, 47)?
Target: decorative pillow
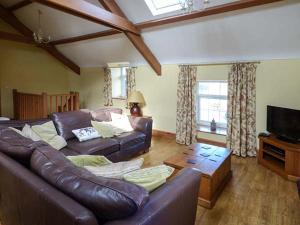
(116, 170)
(16, 130)
(89, 160)
(85, 134)
(27, 132)
(47, 132)
(121, 121)
(150, 178)
(108, 199)
(106, 129)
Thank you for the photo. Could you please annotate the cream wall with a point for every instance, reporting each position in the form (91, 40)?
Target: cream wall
(30, 69)
(278, 83)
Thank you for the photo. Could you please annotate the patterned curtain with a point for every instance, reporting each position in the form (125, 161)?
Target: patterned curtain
(241, 128)
(186, 105)
(107, 91)
(130, 83)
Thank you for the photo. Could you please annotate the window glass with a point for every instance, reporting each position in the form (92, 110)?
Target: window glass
(118, 76)
(212, 103)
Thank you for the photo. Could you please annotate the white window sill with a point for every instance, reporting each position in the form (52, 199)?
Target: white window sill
(206, 129)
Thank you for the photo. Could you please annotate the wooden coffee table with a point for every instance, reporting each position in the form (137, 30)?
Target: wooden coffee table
(213, 162)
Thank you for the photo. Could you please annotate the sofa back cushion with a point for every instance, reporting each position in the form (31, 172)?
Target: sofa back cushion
(108, 199)
(65, 122)
(16, 146)
(103, 114)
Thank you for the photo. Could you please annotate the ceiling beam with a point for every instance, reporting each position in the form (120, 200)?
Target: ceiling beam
(86, 37)
(92, 13)
(243, 4)
(19, 5)
(8, 17)
(136, 40)
(15, 37)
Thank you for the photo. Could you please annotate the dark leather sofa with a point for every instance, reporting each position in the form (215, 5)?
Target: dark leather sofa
(119, 148)
(38, 186)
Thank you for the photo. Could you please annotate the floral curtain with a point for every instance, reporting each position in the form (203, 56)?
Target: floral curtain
(130, 82)
(241, 128)
(186, 105)
(107, 91)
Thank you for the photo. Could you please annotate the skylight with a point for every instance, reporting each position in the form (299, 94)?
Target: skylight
(158, 7)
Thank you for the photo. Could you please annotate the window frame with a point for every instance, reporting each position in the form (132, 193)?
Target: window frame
(209, 96)
(162, 10)
(123, 75)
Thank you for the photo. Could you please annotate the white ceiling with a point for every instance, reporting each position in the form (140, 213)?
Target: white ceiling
(269, 32)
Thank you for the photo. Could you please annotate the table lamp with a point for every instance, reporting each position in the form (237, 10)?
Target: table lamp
(136, 98)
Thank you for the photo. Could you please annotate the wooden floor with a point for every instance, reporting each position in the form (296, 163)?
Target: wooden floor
(254, 196)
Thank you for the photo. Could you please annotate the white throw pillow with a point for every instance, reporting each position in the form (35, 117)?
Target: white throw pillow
(47, 132)
(121, 121)
(116, 170)
(85, 134)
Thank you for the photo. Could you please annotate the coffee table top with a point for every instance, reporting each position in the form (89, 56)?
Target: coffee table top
(206, 158)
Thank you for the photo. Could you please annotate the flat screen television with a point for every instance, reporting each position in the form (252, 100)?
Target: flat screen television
(284, 123)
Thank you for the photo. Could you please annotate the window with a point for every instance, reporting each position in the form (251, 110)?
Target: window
(118, 77)
(158, 7)
(212, 103)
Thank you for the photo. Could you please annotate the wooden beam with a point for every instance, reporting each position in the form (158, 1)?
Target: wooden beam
(173, 19)
(8, 17)
(15, 37)
(229, 7)
(19, 5)
(92, 13)
(136, 40)
(86, 37)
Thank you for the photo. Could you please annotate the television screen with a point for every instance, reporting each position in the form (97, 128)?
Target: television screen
(284, 122)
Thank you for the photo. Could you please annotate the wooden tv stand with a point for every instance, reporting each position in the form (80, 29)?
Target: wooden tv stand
(279, 156)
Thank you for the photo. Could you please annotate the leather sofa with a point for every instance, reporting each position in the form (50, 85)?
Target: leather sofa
(39, 186)
(119, 148)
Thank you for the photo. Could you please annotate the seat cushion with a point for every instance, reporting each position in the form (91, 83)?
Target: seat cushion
(65, 122)
(16, 146)
(99, 146)
(129, 139)
(108, 199)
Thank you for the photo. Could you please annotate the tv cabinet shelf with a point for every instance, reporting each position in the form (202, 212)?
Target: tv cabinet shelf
(279, 156)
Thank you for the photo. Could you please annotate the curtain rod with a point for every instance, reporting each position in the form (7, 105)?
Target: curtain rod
(134, 67)
(220, 63)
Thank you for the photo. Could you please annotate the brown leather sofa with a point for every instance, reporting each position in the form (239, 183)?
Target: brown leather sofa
(119, 148)
(39, 186)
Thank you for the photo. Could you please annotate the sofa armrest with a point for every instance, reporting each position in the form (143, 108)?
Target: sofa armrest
(143, 125)
(175, 203)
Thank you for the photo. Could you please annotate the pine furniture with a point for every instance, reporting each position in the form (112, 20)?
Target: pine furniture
(213, 162)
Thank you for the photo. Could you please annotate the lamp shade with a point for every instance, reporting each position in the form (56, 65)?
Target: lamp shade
(136, 97)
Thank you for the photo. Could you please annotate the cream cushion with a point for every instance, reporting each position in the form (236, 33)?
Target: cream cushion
(48, 133)
(27, 132)
(121, 121)
(106, 129)
(89, 160)
(150, 178)
(116, 170)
